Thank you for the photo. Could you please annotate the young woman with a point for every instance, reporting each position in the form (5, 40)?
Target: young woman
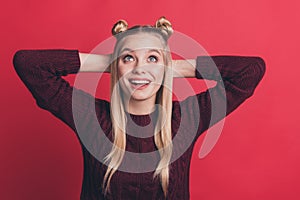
(141, 158)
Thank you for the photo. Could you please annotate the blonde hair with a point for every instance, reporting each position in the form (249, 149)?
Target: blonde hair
(163, 140)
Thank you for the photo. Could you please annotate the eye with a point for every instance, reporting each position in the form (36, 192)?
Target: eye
(127, 58)
(152, 59)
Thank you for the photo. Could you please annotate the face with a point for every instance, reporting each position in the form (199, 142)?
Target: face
(141, 66)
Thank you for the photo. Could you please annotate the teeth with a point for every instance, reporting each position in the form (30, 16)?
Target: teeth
(139, 81)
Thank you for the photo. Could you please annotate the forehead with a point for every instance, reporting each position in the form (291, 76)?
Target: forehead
(142, 41)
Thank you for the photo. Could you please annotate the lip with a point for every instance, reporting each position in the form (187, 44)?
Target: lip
(139, 83)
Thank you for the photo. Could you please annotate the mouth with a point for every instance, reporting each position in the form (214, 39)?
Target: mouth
(139, 83)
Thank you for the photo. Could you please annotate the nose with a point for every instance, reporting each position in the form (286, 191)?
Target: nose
(139, 67)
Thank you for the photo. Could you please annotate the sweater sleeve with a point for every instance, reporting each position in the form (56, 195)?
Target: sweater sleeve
(236, 79)
(42, 71)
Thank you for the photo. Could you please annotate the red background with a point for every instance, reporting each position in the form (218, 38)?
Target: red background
(258, 154)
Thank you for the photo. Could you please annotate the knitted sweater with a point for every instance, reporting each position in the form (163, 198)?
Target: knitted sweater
(42, 70)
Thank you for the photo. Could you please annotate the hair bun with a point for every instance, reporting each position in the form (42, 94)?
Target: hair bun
(165, 25)
(119, 27)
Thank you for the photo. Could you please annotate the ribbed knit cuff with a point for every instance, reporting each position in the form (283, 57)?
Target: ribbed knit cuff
(69, 61)
(204, 67)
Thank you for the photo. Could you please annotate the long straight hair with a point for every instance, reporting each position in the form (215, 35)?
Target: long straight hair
(163, 138)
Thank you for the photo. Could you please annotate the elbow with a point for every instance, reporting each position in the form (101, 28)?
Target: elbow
(19, 60)
(256, 73)
(260, 68)
(23, 61)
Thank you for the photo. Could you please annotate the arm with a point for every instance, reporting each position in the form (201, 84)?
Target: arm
(94, 62)
(236, 77)
(42, 71)
(184, 68)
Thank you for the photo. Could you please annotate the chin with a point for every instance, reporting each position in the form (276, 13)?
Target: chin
(138, 97)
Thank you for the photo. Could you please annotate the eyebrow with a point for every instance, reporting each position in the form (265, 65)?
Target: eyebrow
(149, 51)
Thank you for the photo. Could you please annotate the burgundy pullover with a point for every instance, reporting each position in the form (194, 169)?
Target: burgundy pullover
(42, 70)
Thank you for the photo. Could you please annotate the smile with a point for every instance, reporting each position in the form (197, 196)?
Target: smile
(139, 82)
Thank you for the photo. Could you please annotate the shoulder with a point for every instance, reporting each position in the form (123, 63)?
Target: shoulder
(102, 106)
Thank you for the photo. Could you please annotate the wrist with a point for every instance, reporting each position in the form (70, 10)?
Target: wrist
(94, 62)
(184, 68)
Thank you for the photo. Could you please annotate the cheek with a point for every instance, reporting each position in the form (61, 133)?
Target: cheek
(121, 71)
(124, 69)
(160, 74)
